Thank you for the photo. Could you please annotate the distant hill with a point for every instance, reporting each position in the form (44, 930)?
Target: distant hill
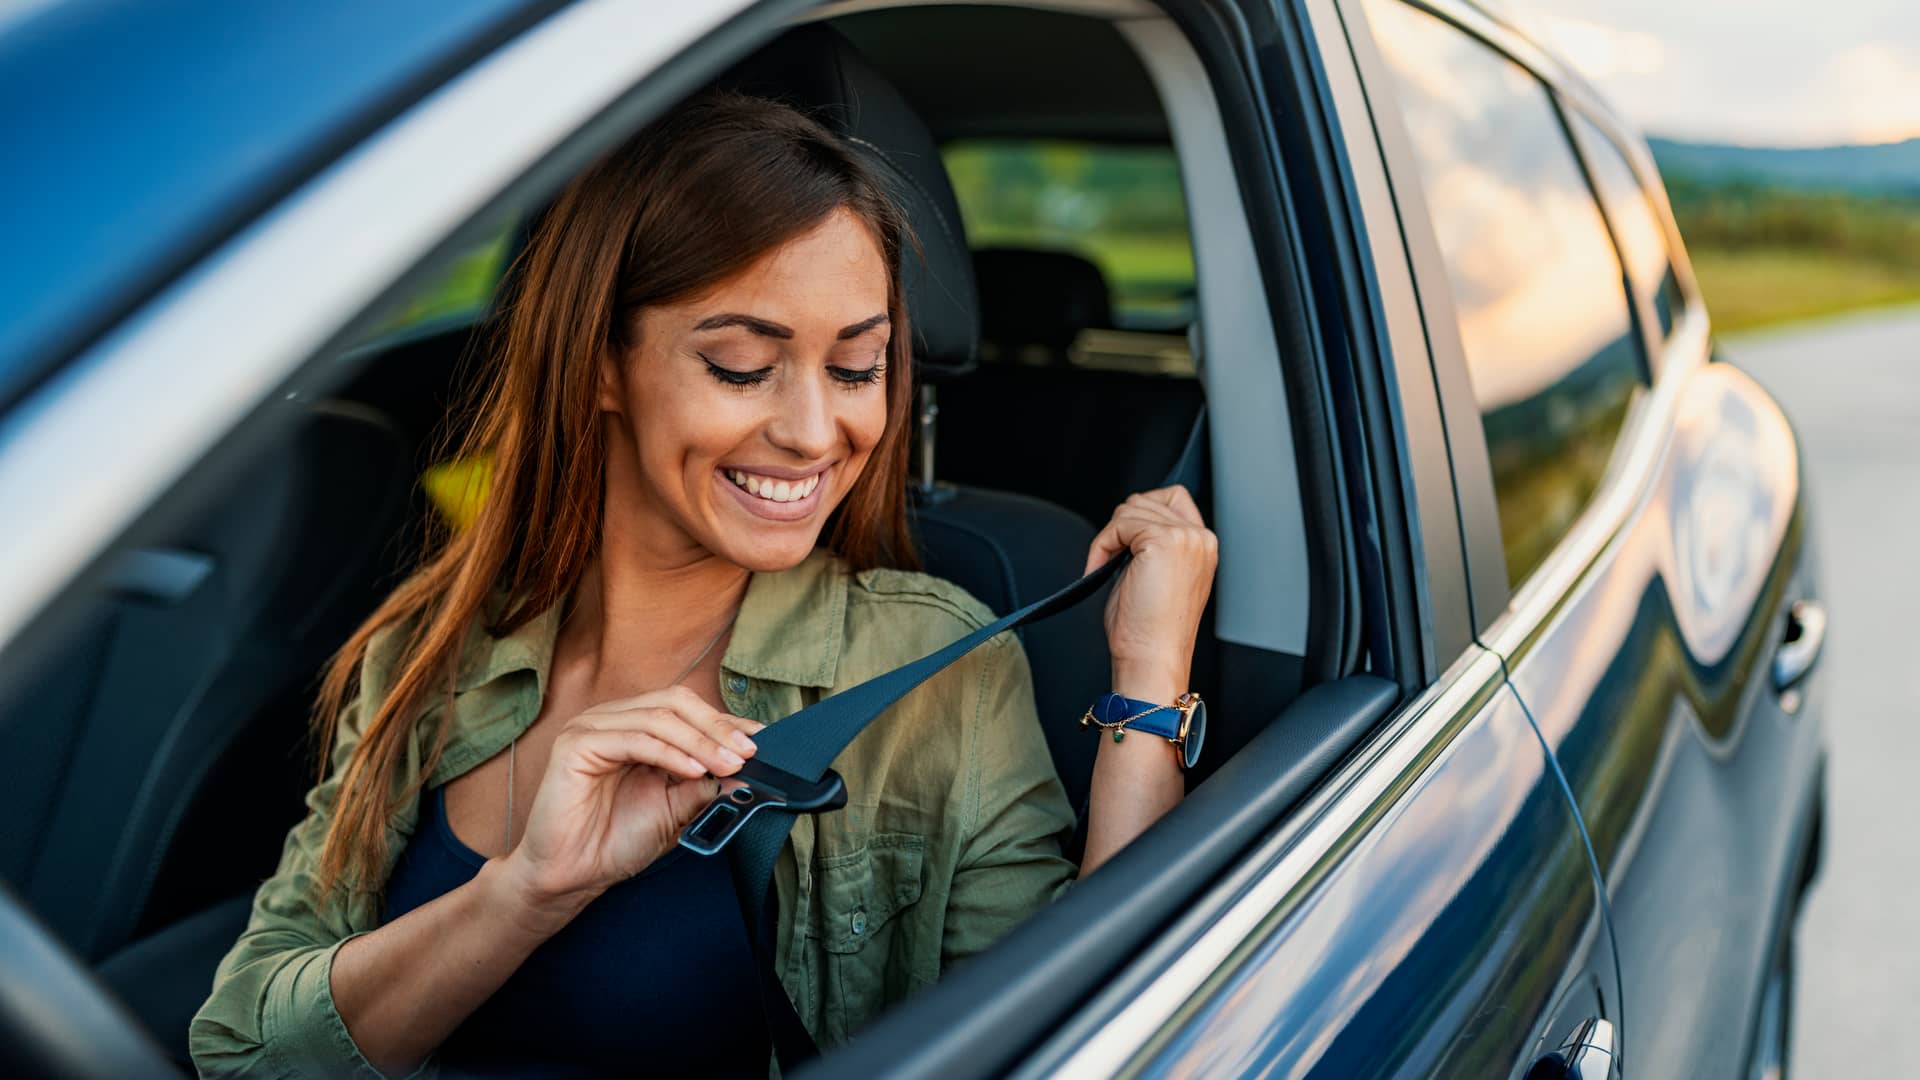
(1882, 169)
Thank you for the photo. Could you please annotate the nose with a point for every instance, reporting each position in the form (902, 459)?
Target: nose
(805, 423)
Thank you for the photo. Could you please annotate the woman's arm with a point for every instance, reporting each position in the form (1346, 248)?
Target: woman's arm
(1152, 618)
(299, 994)
(402, 989)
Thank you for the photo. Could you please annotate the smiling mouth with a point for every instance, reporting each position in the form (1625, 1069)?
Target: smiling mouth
(772, 490)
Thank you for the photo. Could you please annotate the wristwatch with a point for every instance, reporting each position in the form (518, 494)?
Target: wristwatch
(1183, 723)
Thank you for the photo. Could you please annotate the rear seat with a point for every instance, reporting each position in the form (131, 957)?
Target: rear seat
(1087, 438)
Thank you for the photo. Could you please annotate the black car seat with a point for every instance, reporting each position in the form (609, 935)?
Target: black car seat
(154, 764)
(1005, 549)
(1090, 437)
(1019, 322)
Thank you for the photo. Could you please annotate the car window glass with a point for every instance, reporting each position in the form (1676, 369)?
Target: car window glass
(1536, 284)
(1643, 244)
(1119, 208)
(462, 289)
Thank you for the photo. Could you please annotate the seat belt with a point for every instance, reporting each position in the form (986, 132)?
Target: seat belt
(792, 772)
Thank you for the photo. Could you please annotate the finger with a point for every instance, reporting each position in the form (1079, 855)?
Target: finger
(678, 732)
(1106, 544)
(598, 751)
(1180, 501)
(724, 729)
(718, 724)
(1174, 504)
(687, 798)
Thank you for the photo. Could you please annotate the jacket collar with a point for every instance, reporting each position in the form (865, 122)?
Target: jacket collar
(791, 626)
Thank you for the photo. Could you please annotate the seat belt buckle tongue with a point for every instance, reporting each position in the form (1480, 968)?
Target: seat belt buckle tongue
(761, 787)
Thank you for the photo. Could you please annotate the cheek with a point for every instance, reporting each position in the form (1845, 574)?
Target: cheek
(867, 420)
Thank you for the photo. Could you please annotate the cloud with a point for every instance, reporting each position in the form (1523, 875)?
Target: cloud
(1602, 52)
(1739, 71)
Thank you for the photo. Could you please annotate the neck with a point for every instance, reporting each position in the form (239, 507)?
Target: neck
(636, 623)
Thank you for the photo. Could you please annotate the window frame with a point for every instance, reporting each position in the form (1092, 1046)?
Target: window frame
(1502, 614)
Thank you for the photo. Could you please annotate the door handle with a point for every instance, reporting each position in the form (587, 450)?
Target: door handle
(1588, 1054)
(1800, 645)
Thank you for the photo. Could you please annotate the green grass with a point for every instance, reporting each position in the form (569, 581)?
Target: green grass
(1755, 287)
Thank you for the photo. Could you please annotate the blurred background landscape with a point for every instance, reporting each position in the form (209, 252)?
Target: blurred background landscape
(1782, 234)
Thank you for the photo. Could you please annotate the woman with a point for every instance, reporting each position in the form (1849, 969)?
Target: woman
(696, 526)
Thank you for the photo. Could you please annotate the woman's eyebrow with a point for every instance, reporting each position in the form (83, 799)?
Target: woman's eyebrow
(862, 326)
(758, 326)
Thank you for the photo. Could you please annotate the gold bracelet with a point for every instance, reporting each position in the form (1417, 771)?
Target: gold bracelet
(1119, 727)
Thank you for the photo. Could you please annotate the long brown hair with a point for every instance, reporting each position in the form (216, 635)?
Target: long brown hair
(691, 199)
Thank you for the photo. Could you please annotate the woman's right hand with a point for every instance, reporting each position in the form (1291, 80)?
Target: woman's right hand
(622, 780)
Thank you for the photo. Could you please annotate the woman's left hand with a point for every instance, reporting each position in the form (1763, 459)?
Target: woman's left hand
(1155, 608)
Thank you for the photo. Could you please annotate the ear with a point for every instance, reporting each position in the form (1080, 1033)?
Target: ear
(612, 377)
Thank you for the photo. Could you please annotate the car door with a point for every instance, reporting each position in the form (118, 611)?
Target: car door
(1635, 535)
(1432, 910)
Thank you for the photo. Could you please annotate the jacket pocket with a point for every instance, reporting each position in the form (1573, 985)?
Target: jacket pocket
(861, 923)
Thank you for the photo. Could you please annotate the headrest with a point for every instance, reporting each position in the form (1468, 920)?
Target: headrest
(817, 70)
(1045, 298)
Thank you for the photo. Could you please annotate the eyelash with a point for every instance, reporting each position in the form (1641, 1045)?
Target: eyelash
(849, 378)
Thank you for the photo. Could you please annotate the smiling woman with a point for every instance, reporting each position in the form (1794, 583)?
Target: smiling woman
(796, 345)
(694, 443)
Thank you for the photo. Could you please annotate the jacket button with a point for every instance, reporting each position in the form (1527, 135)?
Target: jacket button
(737, 684)
(859, 923)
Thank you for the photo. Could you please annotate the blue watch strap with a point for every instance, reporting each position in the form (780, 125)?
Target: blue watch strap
(1139, 715)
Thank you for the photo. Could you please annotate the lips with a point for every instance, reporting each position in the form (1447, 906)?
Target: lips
(773, 489)
(788, 498)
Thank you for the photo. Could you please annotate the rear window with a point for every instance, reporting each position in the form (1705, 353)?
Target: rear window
(1122, 207)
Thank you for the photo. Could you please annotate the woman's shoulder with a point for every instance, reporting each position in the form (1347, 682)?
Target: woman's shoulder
(895, 617)
(910, 596)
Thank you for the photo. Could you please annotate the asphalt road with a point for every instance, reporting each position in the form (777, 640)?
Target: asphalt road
(1852, 389)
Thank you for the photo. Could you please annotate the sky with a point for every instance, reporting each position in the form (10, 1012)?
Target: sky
(1756, 72)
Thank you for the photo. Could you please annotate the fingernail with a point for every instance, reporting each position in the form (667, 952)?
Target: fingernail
(729, 757)
(743, 743)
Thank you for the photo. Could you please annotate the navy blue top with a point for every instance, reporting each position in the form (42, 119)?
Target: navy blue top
(648, 979)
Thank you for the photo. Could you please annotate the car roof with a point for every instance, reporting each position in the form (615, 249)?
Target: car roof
(138, 135)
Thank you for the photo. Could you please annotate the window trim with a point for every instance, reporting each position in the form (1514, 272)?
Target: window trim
(1643, 306)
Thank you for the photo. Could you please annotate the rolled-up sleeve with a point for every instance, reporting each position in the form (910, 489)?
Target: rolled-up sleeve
(1016, 810)
(271, 1012)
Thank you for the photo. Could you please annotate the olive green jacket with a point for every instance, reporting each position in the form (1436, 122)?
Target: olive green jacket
(950, 837)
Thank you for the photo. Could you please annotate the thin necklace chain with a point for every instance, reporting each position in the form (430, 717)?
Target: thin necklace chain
(675, 681)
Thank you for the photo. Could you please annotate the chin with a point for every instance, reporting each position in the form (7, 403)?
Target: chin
(762, 557)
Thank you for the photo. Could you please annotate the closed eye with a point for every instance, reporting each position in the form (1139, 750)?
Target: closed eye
(737, 378)
(858, 376)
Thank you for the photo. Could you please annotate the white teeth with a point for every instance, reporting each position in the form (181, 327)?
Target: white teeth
(774, 490)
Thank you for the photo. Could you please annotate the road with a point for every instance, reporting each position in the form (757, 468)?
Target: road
(1852, 389)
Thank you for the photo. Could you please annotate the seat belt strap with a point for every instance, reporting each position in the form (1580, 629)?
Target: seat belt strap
(803, 747)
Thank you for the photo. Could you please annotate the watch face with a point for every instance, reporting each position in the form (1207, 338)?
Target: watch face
(1196, 733)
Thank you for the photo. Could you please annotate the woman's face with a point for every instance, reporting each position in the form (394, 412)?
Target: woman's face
(743, 417)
